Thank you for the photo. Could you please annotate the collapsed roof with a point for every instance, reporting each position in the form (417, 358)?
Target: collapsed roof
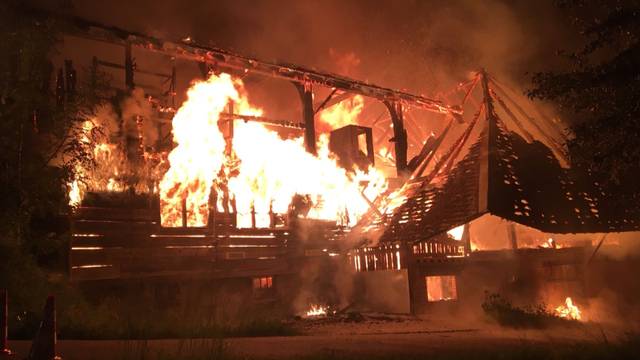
(504, 175)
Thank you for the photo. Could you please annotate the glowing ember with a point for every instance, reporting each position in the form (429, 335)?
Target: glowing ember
(568, 310)
(261, 171)
(316, 311)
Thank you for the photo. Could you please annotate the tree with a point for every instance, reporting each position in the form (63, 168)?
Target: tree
(600, 92)
(38, 144)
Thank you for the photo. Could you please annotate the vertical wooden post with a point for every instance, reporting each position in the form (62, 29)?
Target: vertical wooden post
(253, 217)
(60, 93)
(413, 277)
(94, 72)
(128, 66)
(172, 87)
(184, 212)
(399, 137)
(229, 123)
(70, 79)
(511, 232)
(306, 96)
(4, 326)
(466, 238)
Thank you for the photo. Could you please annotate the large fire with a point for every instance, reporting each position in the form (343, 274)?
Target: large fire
(568, 310)
(261, 171)
(341, 114)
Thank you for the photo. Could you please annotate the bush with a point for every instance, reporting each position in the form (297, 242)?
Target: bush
(506, 314)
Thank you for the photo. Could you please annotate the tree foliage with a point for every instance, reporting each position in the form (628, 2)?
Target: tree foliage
(600, 92)
(39, 147)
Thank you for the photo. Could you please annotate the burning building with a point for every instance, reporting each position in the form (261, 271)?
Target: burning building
(215, 190)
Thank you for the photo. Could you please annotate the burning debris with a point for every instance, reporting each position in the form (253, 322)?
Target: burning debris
(316, 311)
(112, 167)
(568, 310)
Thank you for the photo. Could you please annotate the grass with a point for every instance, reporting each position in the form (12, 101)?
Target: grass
(628, 348)
(116, 319)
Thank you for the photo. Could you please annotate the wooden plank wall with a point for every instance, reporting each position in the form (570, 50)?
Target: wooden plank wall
(112, 243)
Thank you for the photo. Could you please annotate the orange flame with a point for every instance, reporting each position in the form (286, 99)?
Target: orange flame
(456, 233)
(568, 310)
(108, 165)
(341, 114)
(263, 171)
(316, 311)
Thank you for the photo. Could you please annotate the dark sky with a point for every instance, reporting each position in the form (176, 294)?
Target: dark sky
(423, 46)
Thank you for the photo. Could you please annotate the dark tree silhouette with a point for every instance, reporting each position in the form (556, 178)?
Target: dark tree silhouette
(41, 112)
(600, 91)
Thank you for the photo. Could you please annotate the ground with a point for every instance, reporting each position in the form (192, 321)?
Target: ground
(371, 336)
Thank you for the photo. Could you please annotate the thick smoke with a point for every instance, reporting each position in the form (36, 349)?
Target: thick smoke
(422, 46)
(138, 117)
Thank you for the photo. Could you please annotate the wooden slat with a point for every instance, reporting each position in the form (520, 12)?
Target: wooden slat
(113, 227)
(79, 258)
(123, 214)
(231, 242)
(80, 274)
(250, 253)
(232, 268)
(139, 241)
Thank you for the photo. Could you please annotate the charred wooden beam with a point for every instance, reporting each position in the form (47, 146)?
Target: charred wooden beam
(513, 237)
(128, 66)
(70, 79)
(281, 123)
(324, 103)
(226, 59)
(399, 137)
(306, 96)
(136, 70)
(490, 116)
(431, 152)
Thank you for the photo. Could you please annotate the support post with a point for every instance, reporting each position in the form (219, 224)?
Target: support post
(70, 79)
(184, 212)
(172, 86)
(94, 72)
(415, 281)
(60, 93)
(399, 137)
(308, 113)
(466, 238)
(513, 238)
(128, 66)
(4, 327)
